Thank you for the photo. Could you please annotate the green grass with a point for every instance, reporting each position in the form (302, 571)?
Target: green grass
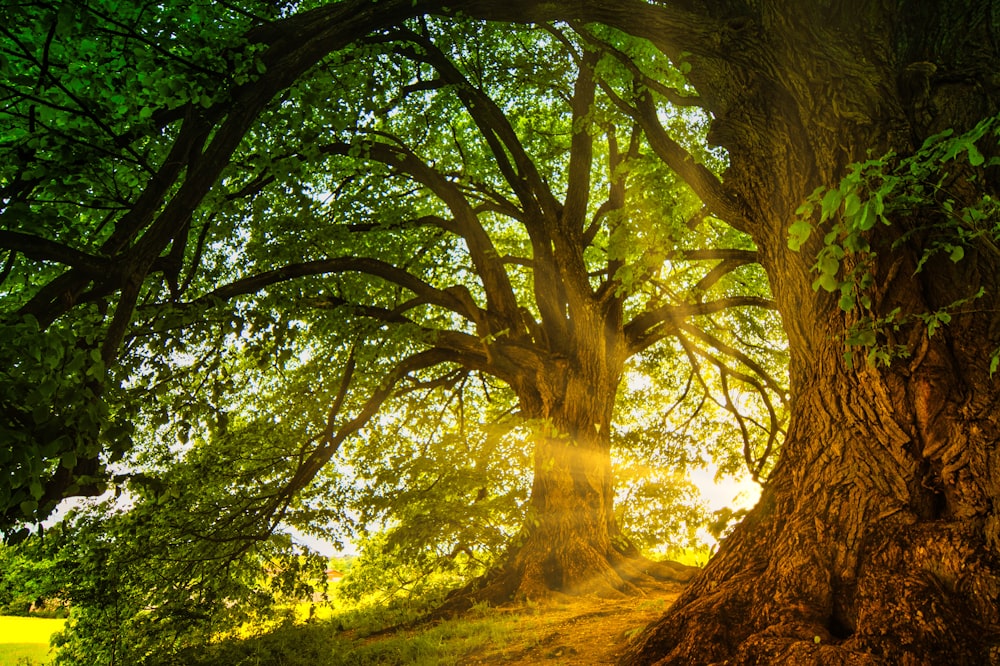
(24, 641)
(324, 644)
(28, 629)
(24, 654)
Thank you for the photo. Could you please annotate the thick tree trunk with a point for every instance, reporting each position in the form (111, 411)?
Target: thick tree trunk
(877, 539)
(570, 542)
(874, 542)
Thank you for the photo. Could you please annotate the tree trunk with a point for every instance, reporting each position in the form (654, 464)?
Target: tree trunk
(876, 540)
(570, 542)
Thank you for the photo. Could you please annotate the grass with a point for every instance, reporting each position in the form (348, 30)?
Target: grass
(24, 641)
(24, 654)
(570, 631)
(328, 643)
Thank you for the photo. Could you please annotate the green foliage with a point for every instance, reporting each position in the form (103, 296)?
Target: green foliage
(439, 496)
(383, 208)
(885, 191)
(91, 92)
(58, 411)
(139, 591)
(27, 576)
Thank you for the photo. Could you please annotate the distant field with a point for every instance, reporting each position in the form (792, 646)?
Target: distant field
(25, 640)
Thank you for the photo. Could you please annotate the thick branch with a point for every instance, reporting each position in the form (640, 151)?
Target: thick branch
(581, 150)
(672, 26)
(500, 297)
(42, 249)
(522, 175)
(722, 269)
(672, 95)
(698, 177)
(295, 45)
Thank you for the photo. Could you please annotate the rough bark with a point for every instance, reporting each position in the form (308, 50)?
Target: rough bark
(876, 539)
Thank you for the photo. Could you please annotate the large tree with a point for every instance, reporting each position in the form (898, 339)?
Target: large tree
(401, 192)
(879, 520)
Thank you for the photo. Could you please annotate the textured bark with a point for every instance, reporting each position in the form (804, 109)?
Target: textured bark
(876, 539)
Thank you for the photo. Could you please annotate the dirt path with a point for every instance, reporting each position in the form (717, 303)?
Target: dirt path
(578, 631)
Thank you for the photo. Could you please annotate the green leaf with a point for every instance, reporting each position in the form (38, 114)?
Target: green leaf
(957, 253)
(830, 204)
(864, 337)
(975, 157)
(867, 219)
(852, 203)
(846, 301)
(827, 281)
(68, 460)
(828, 263)
(798, 234)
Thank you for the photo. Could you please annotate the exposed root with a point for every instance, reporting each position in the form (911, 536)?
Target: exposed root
(925, 594)
(582, 571)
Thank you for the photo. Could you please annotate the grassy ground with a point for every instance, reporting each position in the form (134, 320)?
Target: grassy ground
(568, 631)
(24, 641)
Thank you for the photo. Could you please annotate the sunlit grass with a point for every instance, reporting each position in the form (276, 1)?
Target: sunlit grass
(335, 642)
(24, 641)
(28, 629)
(543, 632)
(25, 654)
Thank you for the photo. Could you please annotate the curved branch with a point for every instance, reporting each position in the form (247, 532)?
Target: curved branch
(672, 26)
(43, 249)
(649, 327)
(716, 253)
(699, 178)
(672, 95)
(742, 357)
(294, 45)
(500, 297)
(723, 268)
(451, 299)
(773, 430)
(522, 175)
(333, 437)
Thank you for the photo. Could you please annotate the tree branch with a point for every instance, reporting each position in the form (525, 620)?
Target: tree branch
(704, 183)
(450, 299)
(501, 302)
(42, 249)
(649, 327)
(522, 175)
(334, 437)
(672, 95)
(743, 358)
(671, 25)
